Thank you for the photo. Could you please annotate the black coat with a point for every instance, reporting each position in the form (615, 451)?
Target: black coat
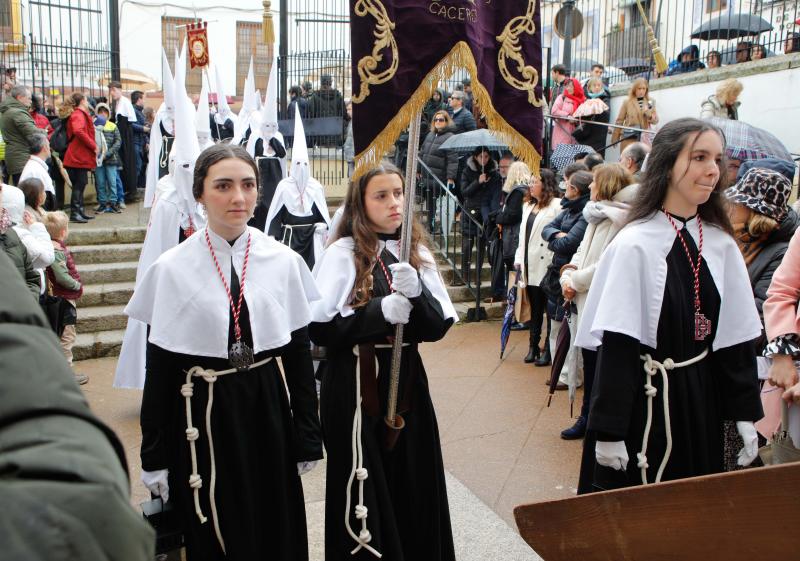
(595, 135)
(509, 217)
(443, 163)
(766, 262)
(571, 222)
(476, 194)
(432, 106)
(463, 121)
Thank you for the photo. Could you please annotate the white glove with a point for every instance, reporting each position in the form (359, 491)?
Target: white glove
(305, 467)
(320, 227)
(157, 482)
(219, 118)
(749, 452)
(396, 308)
(405, 280)
(612, 454)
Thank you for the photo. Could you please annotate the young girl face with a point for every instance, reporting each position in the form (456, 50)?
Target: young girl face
(641, 91)
(697, 169)
(383, 203)
(230, 191)
(569, 87)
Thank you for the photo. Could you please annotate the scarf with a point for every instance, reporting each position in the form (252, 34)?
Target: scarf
(577, 96)
(596, 212)
(749, 245)
(5, 221)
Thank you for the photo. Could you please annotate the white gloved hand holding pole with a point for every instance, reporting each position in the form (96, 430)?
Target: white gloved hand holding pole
(612, 454)
(405, 280)
(747, 430)
(157, 482)
(396, 308)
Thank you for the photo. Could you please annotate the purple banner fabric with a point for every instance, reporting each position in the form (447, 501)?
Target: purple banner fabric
(401, 48)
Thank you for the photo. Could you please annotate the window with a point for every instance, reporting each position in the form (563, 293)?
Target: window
(715, 5)
(173, 34)
(10, 22)
(636, 16)
(250, 43)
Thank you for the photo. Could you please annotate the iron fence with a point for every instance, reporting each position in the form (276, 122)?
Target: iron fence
(613, 33)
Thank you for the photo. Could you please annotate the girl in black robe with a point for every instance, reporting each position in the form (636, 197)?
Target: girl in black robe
(380, 501)
(235, 483)
(648, 310)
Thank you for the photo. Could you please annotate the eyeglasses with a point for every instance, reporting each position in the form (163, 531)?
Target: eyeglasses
(439, 120)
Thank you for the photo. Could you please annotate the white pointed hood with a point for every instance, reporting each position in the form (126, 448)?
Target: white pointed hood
(202, 121)
(186, 149)
(300, 166)
(223, 109)
(249, 104)
(168, 84)
(264, 123)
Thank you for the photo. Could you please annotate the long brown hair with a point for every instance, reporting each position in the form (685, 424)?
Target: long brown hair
(637, 83)
(549, 189)
(354, 223)
(667, 146)
(70, 104)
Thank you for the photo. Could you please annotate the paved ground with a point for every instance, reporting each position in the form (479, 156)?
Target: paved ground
(500, 441)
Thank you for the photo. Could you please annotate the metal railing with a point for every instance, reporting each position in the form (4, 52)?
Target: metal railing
(613, 32)
(440, 206)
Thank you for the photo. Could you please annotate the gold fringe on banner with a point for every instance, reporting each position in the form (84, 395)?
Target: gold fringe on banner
(267, 24)
(459, 57)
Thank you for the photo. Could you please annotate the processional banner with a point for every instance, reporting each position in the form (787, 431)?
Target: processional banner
(197, 34)
(402, 49)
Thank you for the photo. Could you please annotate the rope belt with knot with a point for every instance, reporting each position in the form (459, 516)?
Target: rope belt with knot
(651, 368)
(288, 230)
(192, 434)
(360, 473)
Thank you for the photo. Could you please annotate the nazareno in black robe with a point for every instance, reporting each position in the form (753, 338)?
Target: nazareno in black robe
(297, 232)
(405, 491)
(259, 436)
(723, 386)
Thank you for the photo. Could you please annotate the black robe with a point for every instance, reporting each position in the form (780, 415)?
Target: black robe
(270, 173)
(405, 491)
(259, 436)
(128, 171)
(723, 386)
(297, 232)
(167, 140)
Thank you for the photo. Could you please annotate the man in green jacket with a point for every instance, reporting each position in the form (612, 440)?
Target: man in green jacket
(65, 491)
(17, 127)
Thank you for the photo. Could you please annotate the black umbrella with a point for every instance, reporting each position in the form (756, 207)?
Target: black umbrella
(560, 354)
(731, 26)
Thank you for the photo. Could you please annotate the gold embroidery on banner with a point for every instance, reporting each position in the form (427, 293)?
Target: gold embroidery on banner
(511, 49)
(384, 38)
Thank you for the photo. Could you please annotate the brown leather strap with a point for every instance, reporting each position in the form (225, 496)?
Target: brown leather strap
(369, 380)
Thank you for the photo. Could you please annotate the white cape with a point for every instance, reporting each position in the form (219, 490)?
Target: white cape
(182, 299)
(336, 271)
(125, 108)
(287, 195)
(627, 290)
(162, 235)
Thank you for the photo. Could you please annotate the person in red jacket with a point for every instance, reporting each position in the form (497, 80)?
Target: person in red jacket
(81, 153)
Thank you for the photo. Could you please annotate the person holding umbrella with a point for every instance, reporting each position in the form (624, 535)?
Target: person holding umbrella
(478, 180)
(380, 502)
(541, 205)
(611, 194)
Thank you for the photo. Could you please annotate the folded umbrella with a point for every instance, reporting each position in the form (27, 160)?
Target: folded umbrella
(559, 354)
(744, 141)
(508, 317)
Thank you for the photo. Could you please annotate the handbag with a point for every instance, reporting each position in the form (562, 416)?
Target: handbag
(166, 521)
(551, 282)
(522, 307)
(59, 311)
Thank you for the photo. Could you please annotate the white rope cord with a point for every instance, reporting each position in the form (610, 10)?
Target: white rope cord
(192, 434)
(651, 368)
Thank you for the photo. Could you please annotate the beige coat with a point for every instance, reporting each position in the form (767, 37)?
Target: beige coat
(539, 257)
(630, 115)
(597, 237)
(713, 107)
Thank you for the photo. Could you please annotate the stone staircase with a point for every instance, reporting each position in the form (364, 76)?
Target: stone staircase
(107, 258)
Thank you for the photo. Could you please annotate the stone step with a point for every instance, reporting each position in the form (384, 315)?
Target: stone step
(108, 294)
(94, 319)
(97, 345)
(98, 236)
(102, 273)
(447, 272)
(494, 312)
(106, 253)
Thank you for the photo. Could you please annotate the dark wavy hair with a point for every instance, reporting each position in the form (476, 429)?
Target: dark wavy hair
(213, 155)
(355, 223)
(549, 188)
(667, 146)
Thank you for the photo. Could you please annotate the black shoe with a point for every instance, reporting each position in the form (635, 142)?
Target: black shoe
(517, 326)
(75, 217)
(114, 208)
(544, 359)
(83, 214)
(100, 208)
(533, 354)
(576, 431)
